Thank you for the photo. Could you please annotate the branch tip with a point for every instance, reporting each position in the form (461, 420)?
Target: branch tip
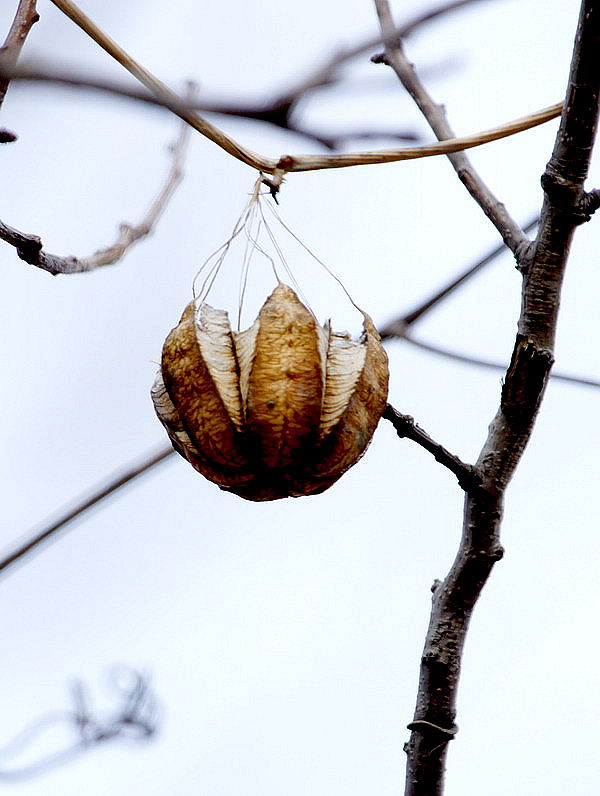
(7, 136)
(405, 426)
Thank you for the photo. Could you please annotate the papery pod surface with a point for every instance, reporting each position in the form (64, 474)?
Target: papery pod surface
(282, 409)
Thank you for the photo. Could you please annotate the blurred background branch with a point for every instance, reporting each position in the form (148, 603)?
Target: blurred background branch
(294, 163)
(134, 717)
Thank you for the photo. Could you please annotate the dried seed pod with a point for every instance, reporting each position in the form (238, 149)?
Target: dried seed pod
(282, 409)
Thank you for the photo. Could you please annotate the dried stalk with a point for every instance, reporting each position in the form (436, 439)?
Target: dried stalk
(30, 248)
(291, 163)
(565, 205)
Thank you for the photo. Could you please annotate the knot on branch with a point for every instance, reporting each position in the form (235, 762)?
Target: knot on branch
(29, 249)
(6, 137)
(380, 58)
(497, 553)
(589, 203)
(569, 199)
(524, 252)
(431, 729)
(525, 380)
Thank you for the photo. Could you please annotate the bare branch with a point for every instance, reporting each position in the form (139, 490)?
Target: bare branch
(398, 326)
(406, 427)
(290, 163)
(486, 363)
(24, 20)
(128, 235)
(509, 432)
(274, 112)
(325, 74)
(100, 493)
(510, 231)
(134, 717)
(30, 247)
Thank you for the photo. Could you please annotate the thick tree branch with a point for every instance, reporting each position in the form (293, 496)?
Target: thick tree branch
(511, 233)
(24, 20)
(526, 378)
(289, 163)
(30, 247)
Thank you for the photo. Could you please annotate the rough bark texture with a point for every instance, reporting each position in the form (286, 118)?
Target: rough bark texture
(565, 205)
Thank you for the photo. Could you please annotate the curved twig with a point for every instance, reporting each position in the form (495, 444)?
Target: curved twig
(290, 163)
(30, 248)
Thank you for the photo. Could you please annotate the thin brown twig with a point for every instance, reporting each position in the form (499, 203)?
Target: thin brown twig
(290, 163)
(25, 18)
(435, 115)
(280, 110)
(406, 427)
(98, 494)
(128, 235)
(30, 248)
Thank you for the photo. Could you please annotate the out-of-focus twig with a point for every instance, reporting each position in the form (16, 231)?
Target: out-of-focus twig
(133, 718)
(555, 375)
(104, 490)
(30, 247)
(398, 326)
(278, 112)
(25, 17)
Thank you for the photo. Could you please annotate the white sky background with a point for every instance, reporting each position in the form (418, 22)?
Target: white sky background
(283, 639)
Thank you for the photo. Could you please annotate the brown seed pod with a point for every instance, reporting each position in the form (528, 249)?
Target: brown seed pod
(282, 409)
